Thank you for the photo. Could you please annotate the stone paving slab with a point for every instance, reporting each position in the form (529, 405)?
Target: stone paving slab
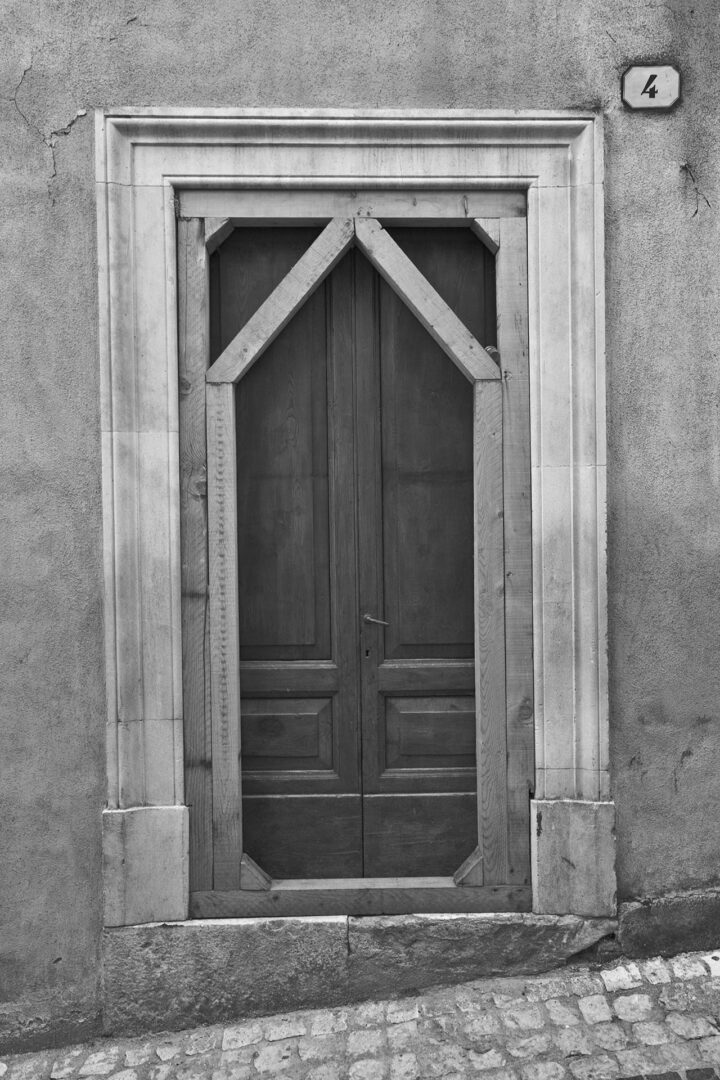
(656, 1019)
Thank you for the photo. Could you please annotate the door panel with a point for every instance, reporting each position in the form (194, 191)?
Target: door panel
(417, 836)
(298, 640)
(355, 497)
(297, 836)
(418, 734)
(281, 411)
(429, 733)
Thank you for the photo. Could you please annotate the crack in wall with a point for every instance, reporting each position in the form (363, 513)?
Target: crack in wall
(700, 196)
(50, 138)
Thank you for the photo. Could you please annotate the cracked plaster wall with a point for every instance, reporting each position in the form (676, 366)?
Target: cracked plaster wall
(61, 59)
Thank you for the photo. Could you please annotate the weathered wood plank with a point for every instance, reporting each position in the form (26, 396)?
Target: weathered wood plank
(511, 269)
(252, 877)
(490, 633)
(363, 897)
(277, 311)
(291, 677)
(428, 676)
(224, 643)
(417, 833)
(427, 305)
(217, 229)
(470, 872)
(193, 363)
(487, 231)
(263, 204)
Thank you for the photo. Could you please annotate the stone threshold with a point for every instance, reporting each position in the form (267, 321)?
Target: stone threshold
(167, 976)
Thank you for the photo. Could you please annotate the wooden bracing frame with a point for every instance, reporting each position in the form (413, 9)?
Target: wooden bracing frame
(503, 587)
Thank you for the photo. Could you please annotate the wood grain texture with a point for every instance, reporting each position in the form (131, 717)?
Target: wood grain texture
(277, 311)
(417, 834)
(282, 460)
(490, 632)
(427, 466)
(265, 205)
(511, 263)
(426, 676)
(252, 877)
(260, 678)
(364, 897)
(224, 638)
(294, 836)
(487, 231)
(470, 871)
(217, 229)
(439, 320)
(193, 347)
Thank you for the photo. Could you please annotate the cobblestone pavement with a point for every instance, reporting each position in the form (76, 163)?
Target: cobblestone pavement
(650, 1018)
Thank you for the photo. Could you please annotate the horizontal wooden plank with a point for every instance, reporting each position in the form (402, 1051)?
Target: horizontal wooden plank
(426, 676)
(282, 205)
(288, 678)
(359, 898)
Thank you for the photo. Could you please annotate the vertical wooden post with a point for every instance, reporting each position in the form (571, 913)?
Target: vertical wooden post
(193, 345)
(512, 291)
(224, 635)
(490, 636)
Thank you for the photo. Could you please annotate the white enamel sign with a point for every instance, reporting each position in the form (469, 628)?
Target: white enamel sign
(651, 86)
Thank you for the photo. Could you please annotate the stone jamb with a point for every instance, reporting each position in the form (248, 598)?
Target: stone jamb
(144, 158)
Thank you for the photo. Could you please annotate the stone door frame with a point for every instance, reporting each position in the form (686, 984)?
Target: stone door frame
(145, 159)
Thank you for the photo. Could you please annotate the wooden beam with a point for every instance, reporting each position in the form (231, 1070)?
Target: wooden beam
(487, 231)
(470, 872)
(252, 877)
(224, 635)
(277, 311)
(511, 278)
(358, 897)
(490, 632)
(317, 199)
(426, 304)
(194, 351)
(216, 230)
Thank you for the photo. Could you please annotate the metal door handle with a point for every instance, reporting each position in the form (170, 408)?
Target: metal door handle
(377, 622)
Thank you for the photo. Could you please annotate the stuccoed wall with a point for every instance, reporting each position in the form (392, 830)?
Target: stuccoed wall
(663, 192)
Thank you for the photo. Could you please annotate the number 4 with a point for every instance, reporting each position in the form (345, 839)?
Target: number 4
(649, 89)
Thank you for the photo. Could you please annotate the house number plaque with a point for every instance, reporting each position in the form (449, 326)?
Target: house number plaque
(651, 86)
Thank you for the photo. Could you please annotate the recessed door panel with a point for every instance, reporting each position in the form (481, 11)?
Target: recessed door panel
(416, 835)
(284, 568)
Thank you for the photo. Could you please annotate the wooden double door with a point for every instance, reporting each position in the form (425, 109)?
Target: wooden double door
(355, 554)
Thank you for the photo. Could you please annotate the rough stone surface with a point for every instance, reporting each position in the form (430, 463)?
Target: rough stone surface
(498, 1028)
(417, 950)
(172, 975)
(177, 974)
(675, 923)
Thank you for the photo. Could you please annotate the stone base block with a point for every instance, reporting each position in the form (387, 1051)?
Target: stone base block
(145, 864)
(684, 922)
(209, 971)
(573, 857)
